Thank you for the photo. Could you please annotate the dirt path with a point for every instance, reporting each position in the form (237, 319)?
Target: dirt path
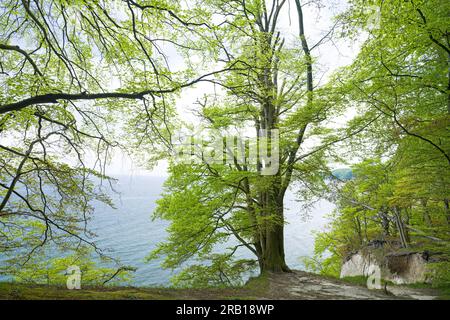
(302, 285)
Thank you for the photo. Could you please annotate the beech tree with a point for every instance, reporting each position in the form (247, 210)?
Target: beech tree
(234, 205)
(82, 78)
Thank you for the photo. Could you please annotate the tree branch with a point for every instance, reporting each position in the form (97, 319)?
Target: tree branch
(24, 53)
(54, 97)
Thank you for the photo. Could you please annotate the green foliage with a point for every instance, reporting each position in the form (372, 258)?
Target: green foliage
(60, 120)
(50, 268)
(63, 67)
(229, 204)
(221, 272)
(440, 273)
(400, 189)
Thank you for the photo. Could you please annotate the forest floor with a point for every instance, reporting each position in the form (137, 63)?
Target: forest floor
(295, 285)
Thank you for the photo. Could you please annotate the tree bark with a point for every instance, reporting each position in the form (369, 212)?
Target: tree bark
(384, 222)
(273, 259)
(447, 210)
(426, 213)
(403, 233)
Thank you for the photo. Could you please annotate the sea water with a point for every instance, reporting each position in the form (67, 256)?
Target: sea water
(128, 232)
(131, 234)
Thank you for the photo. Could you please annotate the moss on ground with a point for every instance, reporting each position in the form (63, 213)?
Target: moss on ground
(357, 280)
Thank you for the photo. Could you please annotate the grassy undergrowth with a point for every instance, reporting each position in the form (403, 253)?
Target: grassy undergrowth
(255, 288)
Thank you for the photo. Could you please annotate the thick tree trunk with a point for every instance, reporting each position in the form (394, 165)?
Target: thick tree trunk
(273, 259)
